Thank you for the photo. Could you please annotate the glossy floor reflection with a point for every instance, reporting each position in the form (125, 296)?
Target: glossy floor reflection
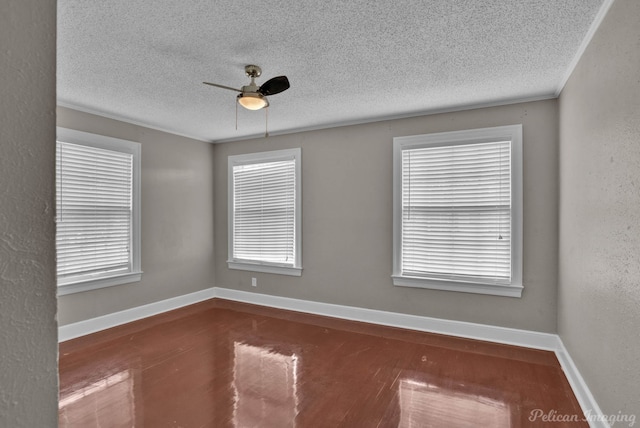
(227, 364)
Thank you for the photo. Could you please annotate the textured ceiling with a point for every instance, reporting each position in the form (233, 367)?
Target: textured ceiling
(144, 61)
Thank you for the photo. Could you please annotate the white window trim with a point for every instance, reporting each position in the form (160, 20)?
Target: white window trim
(512, 133)
(255, 266)
(70, 286)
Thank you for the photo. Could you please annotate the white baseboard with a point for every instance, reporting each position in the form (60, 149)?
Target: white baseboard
(82, 328)
(587, 402)
(509, 336)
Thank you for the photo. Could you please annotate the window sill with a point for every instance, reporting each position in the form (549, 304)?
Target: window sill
(463, 287)
(255, 267)
(94, 284)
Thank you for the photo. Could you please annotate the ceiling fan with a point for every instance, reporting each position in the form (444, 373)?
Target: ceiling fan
(252, 96)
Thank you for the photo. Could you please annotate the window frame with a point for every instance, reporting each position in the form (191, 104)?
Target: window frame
(512, 133)
(259, 266)
(86, 283)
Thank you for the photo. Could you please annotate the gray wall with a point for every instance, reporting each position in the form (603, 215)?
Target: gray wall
(177, 219)
(28, 331)
(346, 209)
(599, 291)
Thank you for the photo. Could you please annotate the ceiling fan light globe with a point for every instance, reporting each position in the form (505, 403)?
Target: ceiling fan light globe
(252, 101)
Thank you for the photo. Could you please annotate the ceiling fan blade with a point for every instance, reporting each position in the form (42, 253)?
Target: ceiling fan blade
(222, 86)
(274, 85)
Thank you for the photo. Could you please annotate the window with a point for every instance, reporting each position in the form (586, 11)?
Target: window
(97, 211)
(458, 211)
(264, 212)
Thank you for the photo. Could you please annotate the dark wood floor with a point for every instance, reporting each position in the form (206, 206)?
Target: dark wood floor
(221, 363)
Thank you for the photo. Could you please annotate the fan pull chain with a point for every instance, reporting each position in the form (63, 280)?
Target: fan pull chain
(236, 103)
(266, 122)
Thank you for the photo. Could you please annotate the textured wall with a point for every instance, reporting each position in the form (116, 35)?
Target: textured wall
(177, 219)
(28, 345)
(347, 219)
(599, 291)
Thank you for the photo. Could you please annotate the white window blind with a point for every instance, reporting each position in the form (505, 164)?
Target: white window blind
(456, 212)
(97, 211)
(265, 209)
(94, 210)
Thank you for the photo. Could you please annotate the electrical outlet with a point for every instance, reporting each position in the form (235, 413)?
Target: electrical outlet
(254, 282)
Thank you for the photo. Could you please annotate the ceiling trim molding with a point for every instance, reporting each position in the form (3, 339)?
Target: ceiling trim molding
(98, 112)
(394, 117)
(498, 103)
(604, 9)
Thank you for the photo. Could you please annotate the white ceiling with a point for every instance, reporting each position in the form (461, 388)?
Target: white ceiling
(354, 61)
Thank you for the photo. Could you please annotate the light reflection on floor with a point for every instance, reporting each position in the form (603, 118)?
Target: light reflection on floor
(428, 405)
(105, 402)
(264, 383)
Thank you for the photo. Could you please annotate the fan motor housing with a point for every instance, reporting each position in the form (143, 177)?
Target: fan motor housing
(252, 70)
